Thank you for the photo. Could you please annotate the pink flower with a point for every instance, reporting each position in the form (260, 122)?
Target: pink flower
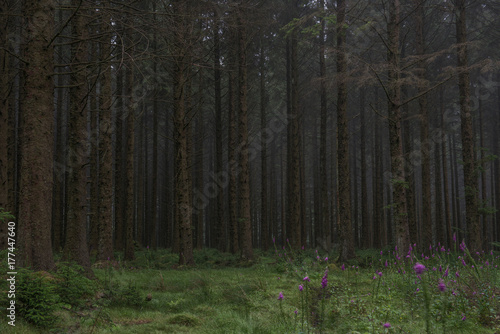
(419, 268)
(387, 325)
(281, 297)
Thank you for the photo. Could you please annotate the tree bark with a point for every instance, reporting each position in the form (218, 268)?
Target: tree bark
(182, 174)
(105, 245)
(467, 132)
(36, 138)
(76, 248)
(244, 177)
(220, 218)
(396, 149)
(263, 156)
(344, 182)
(322, 228)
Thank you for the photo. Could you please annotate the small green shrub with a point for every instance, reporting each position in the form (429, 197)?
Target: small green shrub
(36, 298)
(72, 286)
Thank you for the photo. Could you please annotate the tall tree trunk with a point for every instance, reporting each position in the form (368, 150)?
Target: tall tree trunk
(467, 132)
(263, 155)
(446, 193)
(440, 221)
(324, 215)
(182, 175)
(221, 226)
(344, 182)
(76, 248)
(5, 91)
(366, 226)
(232, 148)
(130, 163)
(426, 145)
(105, 208)
(396, 149)
(37, 136)
(294, 147)
(119, 172)
(244, 177)
(155, 221)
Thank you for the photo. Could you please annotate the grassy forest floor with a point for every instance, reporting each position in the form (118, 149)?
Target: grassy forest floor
(281, 292)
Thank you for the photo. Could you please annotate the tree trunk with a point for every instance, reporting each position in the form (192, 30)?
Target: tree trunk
(344, 182)
(182, 174)
(36, 138)
(244, 177)
(232, 148)
(5, 91)
(130, 165)
(105, 208)
(396, 149)
(294, 147)
(467, 132)
(76, 248)
(220, 221)
(263, 156)
(366, 227)
(324, 214)
(425, 144)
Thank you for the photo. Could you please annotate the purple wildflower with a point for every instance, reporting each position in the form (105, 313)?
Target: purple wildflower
(454, 237)
(441, 286)
(342, 267)
(301, 287)
(281, 297)
(387, 325)
(296, 311)
(419, 268)
(463, 317)
(380, 273)
(446, 273)
(307, 279)
(457, 274)
(324, 280)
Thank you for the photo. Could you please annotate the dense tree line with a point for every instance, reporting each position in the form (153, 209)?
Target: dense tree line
(239, 124)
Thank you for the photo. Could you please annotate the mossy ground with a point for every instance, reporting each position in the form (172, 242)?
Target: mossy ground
(221, 295)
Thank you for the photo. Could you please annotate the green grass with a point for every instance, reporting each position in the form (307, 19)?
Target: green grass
(222, 296)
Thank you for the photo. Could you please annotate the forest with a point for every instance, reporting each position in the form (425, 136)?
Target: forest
(180, 134)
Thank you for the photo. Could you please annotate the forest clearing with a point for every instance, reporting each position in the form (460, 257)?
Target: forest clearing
(249, 166)
(284, 291)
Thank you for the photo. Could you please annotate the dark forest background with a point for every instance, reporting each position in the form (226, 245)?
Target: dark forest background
(238, 124)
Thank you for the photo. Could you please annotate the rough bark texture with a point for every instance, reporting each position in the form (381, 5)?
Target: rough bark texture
(344, 183)
(221, 226)
(244, 177)
(425, 143)
(366, 226)
(76, 248)
(322, 228)
(130, 165)
(4, 121)
(396, 149)
(182, 174)
(105, 246)
(37, 136)
(446, 192)
(294, 147)
(232, 153)
(263, 166)
(467, 132)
